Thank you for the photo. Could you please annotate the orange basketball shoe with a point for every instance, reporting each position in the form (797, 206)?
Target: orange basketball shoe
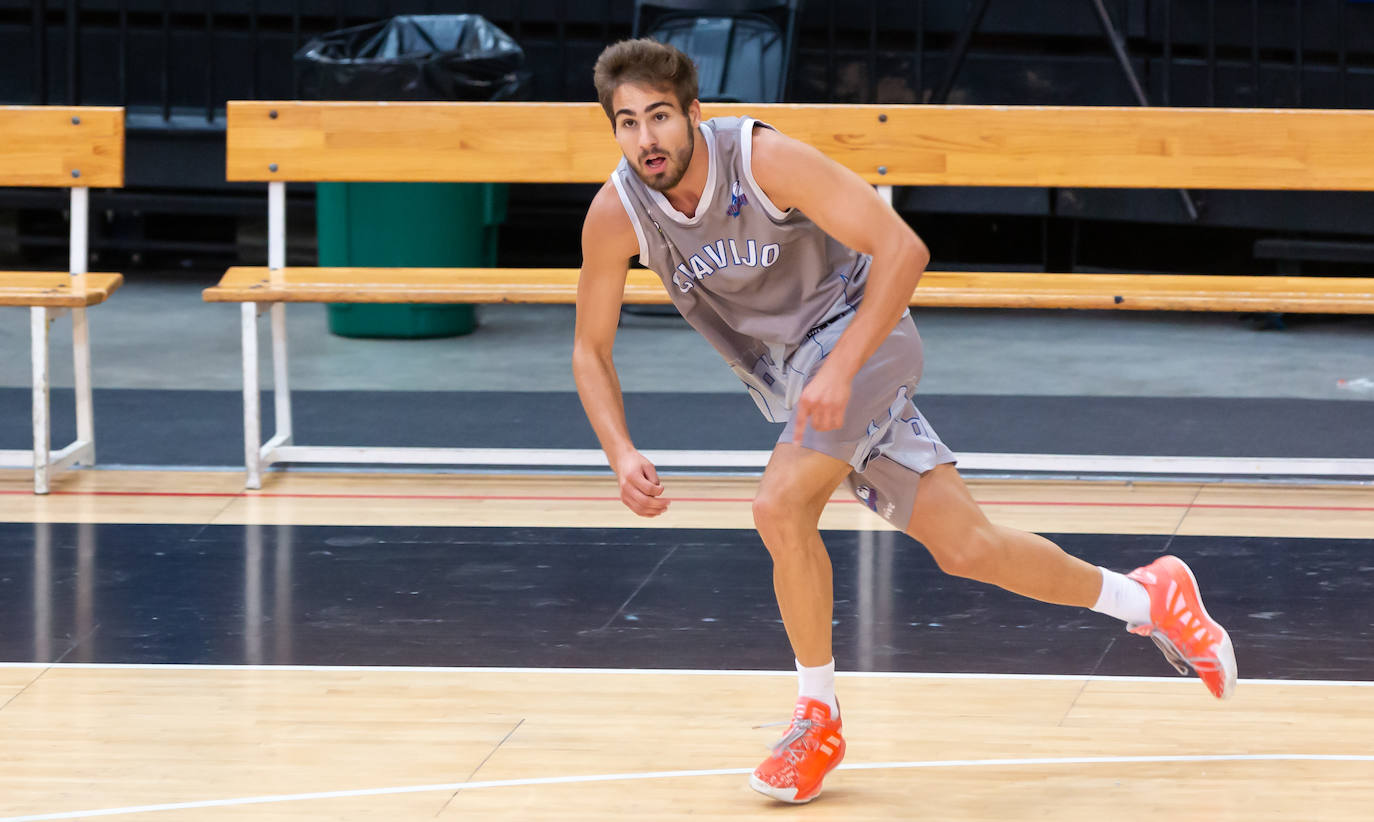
(812, 747)
(1181, 627)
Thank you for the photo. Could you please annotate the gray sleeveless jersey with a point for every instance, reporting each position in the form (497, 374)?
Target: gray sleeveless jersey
(754, 280)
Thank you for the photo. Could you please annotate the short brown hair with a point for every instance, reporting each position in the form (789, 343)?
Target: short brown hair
(644, 62)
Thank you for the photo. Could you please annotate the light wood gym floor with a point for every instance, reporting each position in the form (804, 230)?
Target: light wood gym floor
(306, 699)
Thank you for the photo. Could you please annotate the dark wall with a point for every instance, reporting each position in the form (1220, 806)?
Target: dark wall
(175, 62)
(194, 54)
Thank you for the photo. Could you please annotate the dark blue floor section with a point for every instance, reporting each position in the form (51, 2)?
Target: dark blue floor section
(1296, 608)
(147, 427)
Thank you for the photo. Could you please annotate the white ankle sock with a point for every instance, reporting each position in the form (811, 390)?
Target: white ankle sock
(818, 683)
(1123, 598)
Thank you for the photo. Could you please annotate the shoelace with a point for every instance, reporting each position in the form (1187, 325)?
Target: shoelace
(1182, 663)
(795, 733)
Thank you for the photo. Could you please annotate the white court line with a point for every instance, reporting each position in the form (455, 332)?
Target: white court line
(419, 669)
(625, 777)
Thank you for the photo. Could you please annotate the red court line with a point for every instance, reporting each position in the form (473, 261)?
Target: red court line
(553, 498)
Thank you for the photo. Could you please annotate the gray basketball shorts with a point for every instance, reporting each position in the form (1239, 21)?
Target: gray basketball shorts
(884, 437)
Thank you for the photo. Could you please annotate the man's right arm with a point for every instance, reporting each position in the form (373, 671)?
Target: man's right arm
(608, 242)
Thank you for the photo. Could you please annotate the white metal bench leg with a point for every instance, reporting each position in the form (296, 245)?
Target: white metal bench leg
(259, 455)
(85, 416)
(42, 435)
(78, 257)
(252, 422)
(281, 381)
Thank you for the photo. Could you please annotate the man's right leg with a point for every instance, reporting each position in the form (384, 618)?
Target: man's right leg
(795, 488)
(787, 510)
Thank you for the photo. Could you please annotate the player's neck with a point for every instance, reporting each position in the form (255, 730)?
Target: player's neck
(686, 195)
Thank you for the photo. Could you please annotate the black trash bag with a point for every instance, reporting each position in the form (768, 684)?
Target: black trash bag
(415, 57)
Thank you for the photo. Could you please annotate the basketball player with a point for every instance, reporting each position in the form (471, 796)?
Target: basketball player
(799, 274)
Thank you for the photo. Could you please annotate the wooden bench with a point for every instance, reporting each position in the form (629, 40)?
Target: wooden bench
(60, 147)
(281, 142)
(947, 289)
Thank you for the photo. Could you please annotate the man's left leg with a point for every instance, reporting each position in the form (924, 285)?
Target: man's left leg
(1160, 600)
(947, 520)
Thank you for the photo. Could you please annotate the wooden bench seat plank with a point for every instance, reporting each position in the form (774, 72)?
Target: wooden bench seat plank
(415, 285)
(1147, 292)
(1082, 146)
(54, 289)
(45, 145)
(1139, 292)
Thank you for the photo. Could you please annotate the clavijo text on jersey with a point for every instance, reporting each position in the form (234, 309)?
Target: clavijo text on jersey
(721, 254)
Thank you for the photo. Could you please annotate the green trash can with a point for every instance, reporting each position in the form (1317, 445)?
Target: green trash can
(395, 225)
(425, 225)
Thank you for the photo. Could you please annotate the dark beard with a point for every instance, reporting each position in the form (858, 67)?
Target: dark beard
(682, 159)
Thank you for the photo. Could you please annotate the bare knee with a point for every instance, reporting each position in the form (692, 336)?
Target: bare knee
(782, 521)
(772, 512)
(972, 554)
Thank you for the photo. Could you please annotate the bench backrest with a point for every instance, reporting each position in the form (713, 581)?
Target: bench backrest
(62, 146)
(1102, 147)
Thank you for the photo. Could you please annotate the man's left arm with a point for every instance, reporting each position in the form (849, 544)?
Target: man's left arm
(796, 175)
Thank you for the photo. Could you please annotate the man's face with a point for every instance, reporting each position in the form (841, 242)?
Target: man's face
(655, 135)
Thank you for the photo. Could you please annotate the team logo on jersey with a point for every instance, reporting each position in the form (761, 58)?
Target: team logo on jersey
(868, 495)
(737, 199)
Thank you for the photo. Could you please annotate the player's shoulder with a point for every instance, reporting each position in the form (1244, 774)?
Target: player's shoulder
(782, 166)
(608, 223)
(744, 127)
(770, 145)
